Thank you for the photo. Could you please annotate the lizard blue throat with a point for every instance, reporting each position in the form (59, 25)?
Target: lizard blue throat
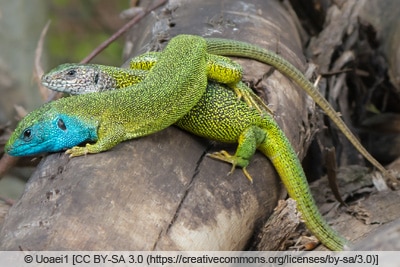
(53, 132)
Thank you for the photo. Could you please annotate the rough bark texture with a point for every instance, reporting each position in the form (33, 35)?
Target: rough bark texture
(280, 227)
(388, 32)
(161, 192)
(342, 46)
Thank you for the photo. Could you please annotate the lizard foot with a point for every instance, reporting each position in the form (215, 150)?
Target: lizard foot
(232, 159)
(252, 100)
(76, 151)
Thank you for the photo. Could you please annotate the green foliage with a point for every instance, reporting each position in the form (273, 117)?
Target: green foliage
(78, 27)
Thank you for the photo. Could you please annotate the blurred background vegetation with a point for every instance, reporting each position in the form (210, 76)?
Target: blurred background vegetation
(76, 28)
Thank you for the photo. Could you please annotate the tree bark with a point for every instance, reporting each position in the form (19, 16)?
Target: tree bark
(160, 192)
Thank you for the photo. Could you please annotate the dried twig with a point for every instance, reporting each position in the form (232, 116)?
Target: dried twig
(7, 161)
(124, 28)
(38, 70)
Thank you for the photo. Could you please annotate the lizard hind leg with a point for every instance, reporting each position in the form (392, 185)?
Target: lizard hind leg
(251, 99)
(219, 68)
(248, 142)
(224, 70)
(234, 160)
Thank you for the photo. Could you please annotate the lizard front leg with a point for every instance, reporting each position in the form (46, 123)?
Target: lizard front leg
(109, 135)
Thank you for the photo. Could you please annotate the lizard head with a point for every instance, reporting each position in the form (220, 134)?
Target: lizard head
(71, 77)
(46, 130)
(78, 79)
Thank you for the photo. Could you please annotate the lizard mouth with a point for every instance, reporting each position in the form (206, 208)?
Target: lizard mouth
(8, 149)
(46, 81)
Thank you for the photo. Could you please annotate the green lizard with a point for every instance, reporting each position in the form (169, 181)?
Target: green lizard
(228, 47)
(117, 116)
(170, 90)
(219, 116)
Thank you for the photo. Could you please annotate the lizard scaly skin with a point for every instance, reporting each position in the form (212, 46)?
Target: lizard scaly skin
(241, 49)
(169, 91)
(227, 47)
(116, 116)
(218, 116)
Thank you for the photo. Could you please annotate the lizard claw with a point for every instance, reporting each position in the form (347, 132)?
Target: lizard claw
(76, 151)
(252, 100)
(248, 176)
(225, 156)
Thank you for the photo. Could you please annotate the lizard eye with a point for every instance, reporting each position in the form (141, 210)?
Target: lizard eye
(71, 73)
(96, 78)
(27, 134)
(61, 124)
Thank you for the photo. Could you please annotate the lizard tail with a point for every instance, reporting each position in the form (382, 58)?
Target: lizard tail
(278, 149)
(228, 47)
